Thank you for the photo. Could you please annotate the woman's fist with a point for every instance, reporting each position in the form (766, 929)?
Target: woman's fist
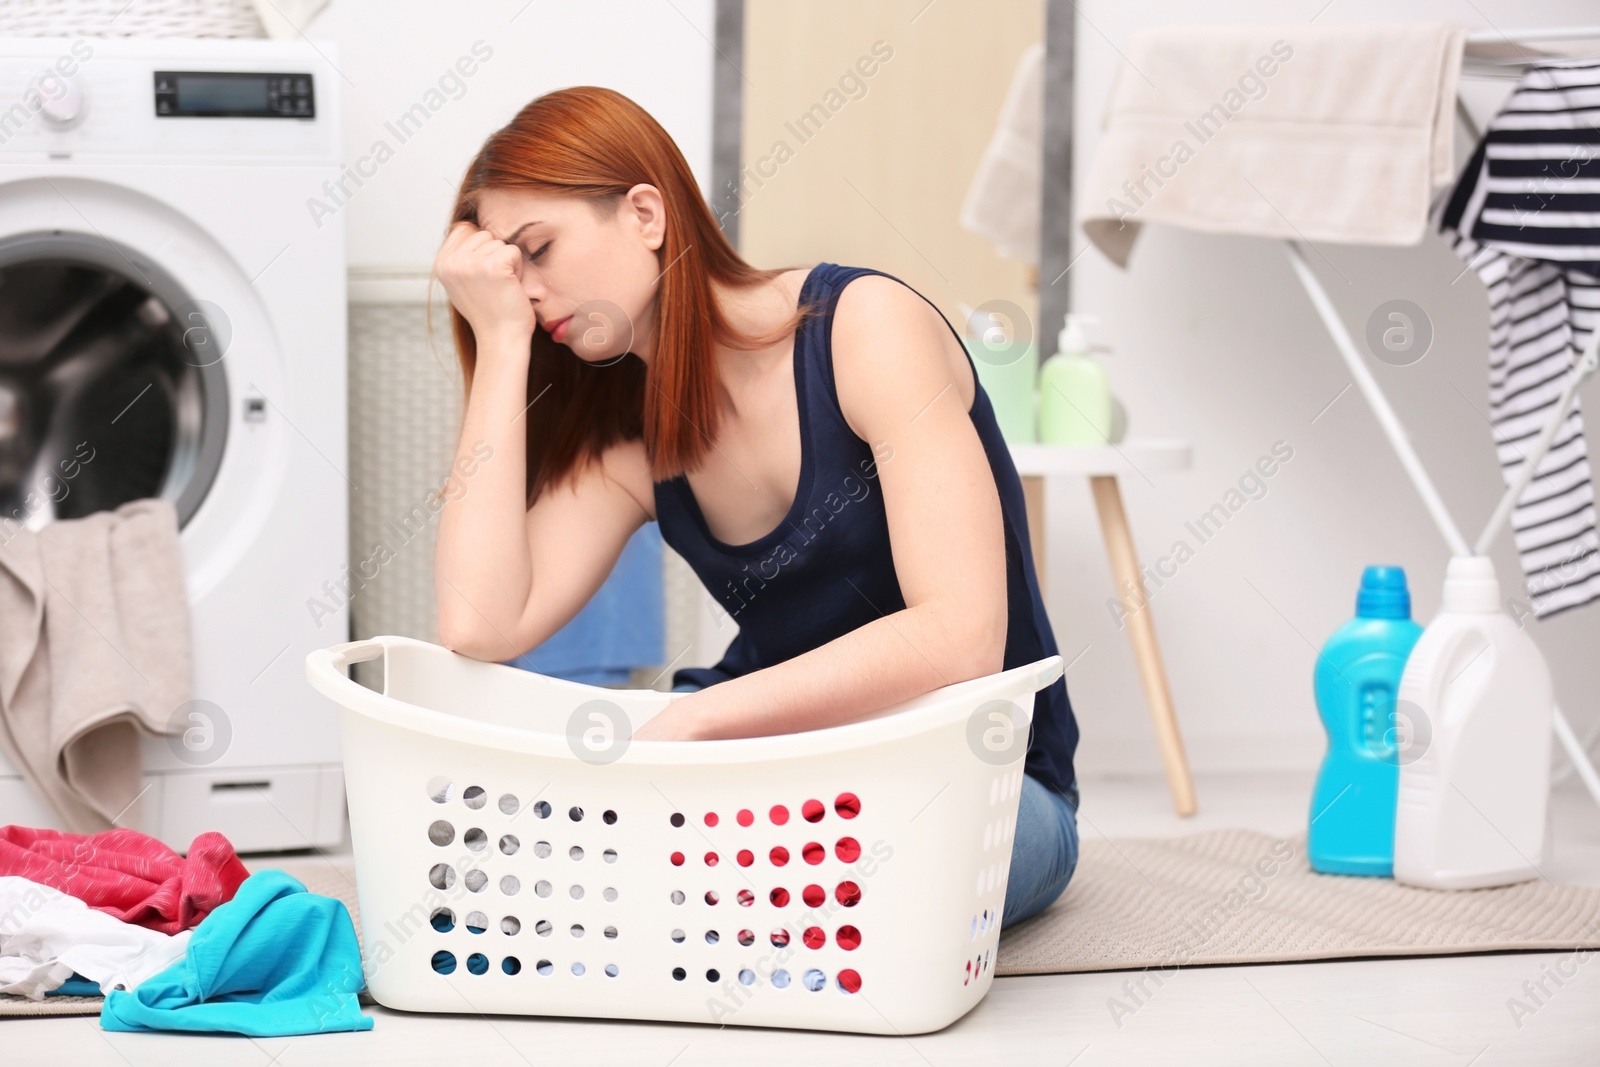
(482, 275)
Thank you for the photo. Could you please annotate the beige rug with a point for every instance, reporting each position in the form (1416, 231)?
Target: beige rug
(1224, 896)
(1237, 896)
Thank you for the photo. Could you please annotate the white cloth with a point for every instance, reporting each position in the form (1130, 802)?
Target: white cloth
(1003, 201)
(46, 935)
(1322, 133)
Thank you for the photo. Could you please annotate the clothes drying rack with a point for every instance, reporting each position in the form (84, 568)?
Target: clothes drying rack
(1588, 361)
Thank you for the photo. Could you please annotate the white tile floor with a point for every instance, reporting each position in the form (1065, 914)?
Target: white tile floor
(1446, 1011)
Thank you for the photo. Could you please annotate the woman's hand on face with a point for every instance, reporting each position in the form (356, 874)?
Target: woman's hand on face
(482, 275)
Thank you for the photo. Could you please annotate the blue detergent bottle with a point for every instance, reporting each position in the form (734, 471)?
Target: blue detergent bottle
(1357, 678)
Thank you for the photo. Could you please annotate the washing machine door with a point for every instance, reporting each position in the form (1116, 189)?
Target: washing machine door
(111, 385)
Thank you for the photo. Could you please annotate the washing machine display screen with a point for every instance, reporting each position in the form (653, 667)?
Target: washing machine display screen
(233, 94)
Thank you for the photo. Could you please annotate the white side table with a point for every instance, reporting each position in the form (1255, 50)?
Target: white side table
(1102, 464)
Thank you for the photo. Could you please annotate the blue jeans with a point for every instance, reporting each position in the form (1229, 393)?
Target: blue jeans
(1044, 852)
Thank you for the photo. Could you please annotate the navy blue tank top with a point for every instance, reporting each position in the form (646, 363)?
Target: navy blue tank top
(794, 590)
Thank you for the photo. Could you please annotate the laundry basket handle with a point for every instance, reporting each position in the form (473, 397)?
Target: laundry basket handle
(337, 658)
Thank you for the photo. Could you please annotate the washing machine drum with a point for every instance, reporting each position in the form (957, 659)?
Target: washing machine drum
(111, 382)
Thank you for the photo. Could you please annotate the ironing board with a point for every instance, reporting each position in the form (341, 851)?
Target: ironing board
(1585, 366)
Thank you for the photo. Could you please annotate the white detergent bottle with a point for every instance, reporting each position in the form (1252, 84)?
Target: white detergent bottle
(1476, 703)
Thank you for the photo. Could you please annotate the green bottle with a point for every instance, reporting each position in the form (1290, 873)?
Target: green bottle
(1074, 390)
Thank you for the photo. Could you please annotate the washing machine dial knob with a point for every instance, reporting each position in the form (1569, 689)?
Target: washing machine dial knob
(65, 106)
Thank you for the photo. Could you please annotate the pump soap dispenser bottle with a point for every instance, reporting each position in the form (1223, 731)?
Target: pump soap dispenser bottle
(1074, 391)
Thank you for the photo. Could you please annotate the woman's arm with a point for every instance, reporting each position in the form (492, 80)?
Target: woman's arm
(895, 367)
(481, 567)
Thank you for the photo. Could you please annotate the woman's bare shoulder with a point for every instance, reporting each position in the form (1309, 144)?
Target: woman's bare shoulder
(626, 464)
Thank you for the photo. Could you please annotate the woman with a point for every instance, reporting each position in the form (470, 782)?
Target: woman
(813, 441)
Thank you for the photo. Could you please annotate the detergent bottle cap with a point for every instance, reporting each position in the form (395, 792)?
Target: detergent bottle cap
(1384, 594)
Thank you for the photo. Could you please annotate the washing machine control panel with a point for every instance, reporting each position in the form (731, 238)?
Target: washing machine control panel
(234, 94)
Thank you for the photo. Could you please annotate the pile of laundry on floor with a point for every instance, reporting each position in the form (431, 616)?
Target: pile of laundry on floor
(196, 943)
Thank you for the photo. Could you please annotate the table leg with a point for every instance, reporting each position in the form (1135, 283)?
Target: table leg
(1033, 498)
(1141, 632)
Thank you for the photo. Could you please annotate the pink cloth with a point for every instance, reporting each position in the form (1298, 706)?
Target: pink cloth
(127, 874)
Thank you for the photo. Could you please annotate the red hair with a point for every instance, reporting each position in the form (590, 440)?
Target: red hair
(595, 143)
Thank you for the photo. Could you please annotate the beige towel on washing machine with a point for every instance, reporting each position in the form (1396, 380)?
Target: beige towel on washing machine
(94, 650)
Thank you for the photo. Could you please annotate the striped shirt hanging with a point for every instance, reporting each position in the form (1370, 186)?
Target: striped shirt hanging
(1525, 215)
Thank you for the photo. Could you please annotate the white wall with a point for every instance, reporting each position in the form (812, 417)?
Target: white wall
(393, 52)
(1216, 342)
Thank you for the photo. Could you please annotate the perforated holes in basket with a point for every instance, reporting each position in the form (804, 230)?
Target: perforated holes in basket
(576, 892)
(508, 803)
(444, 962)
(609, 817)
(712, 937)
(813, 895)
(440, 789)
(609, 855)
(542, 810)
(610, 895)
(475, 880)
(677, 896)
(848, 938)
(475, 839)
(813, 937)
(541, 849)
(510, 926)
(543, 888)
(474, 796)
(848, 894)
(440, 832)
(442, 920)
(441, 876)
(509, 844)
(477, 922)
(544, 967)
(510, 884)
(812, 811)
(511, 965)
(543, 927)
(847, 805)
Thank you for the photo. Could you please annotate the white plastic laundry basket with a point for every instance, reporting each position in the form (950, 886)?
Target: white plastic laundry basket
(516, 852)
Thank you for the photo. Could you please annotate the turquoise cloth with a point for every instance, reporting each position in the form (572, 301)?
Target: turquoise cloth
(621, 627)
(273, 961)
(75, 986)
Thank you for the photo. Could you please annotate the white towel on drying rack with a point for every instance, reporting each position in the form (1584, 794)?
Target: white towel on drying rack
(1525, 215)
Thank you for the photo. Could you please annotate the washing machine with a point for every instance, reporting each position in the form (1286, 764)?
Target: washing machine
(172, 300)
